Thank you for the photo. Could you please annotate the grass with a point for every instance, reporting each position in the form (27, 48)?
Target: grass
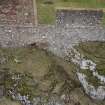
(47, 12)
(32, 60)
(51, 73)
(93, 50)
(91, 79)
(60, 75)
(103, 20)
(96, 52)
(38, 62)
(101, 68)
(6, 101)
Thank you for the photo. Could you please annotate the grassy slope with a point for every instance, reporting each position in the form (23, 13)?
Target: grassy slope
(96, 52)
(32, 60)
(49, 71)
(37, 62)
(6, 101)
(46, 12)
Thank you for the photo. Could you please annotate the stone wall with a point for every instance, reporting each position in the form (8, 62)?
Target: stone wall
(79, 17)
(59, 38)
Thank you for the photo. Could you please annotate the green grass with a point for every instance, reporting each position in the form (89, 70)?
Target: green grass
(101, 68)
(47, 12)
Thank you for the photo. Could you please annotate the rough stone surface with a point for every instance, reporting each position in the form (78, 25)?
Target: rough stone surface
(56, 38)
(79, 17)
(59, 39)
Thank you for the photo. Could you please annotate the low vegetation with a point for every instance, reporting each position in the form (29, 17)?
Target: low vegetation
(94, 81)
(6, 101)
(47, 8)
(96, 52)
(44, 74)
(38, 72)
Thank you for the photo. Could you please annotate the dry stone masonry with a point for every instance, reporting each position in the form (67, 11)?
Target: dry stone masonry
(60, 37)
(79, 17)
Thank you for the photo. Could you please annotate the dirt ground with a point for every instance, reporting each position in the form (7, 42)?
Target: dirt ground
(14, 12)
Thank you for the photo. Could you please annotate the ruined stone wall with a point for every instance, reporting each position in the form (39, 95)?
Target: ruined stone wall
(79, 17)
(57, 38)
